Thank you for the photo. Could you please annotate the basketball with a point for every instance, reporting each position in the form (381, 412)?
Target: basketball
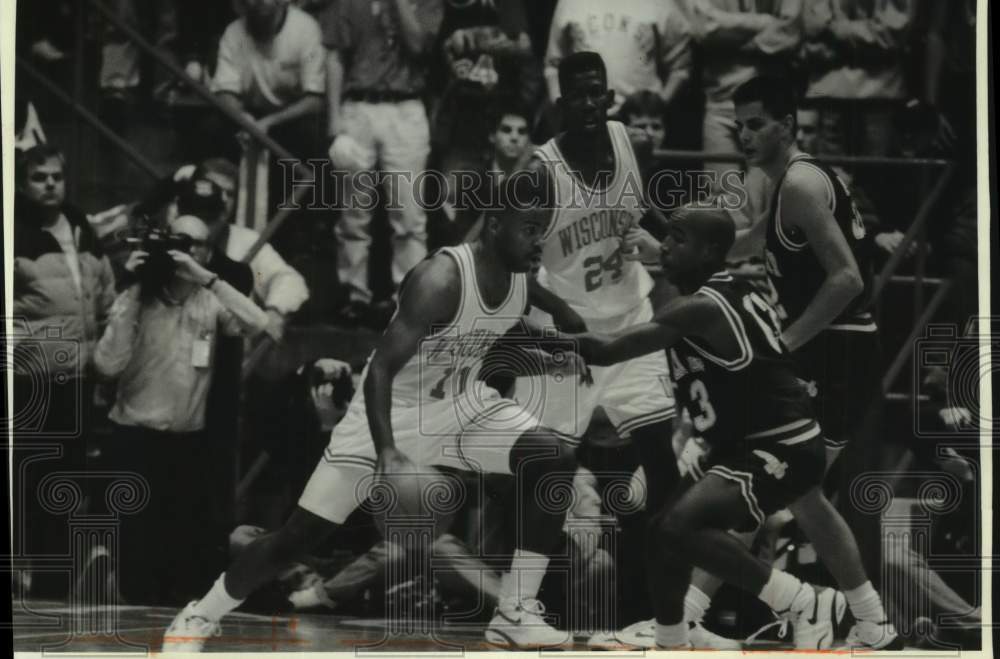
(419, 497)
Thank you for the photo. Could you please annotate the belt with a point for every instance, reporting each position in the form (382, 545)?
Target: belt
(372, 96)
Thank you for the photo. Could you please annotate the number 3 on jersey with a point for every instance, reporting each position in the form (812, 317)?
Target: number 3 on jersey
(705, 419)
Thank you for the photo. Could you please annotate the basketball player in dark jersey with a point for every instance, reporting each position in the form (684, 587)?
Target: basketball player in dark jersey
(818, 258)
(734, 378)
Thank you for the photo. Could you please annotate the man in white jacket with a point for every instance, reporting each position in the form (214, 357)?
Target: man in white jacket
(280, 289)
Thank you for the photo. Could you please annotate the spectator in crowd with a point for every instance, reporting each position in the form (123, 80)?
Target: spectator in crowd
(487, 57)
(887, 239)
(643, 114)
(739, 40)
(63, 288)
(854, 54)
(120, 71)
(270, 67)
(509, 150)
(377, 73)
(158, 344)
(645, 44)
(210, 193)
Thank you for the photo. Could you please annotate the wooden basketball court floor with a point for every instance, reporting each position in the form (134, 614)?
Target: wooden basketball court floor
(51, 627)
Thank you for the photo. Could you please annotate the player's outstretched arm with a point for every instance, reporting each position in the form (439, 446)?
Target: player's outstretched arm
(428, 299)
(691, 315)
(805, 200)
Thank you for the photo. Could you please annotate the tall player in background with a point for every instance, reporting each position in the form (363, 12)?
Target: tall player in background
(818, 258)
(423, 403)
(591, 276)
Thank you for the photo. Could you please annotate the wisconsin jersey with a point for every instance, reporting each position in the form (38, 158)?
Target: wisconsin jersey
(753, 396)
(449, 360)
(793, 266)
(581, 261)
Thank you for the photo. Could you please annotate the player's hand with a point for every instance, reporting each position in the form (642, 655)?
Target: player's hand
(275, 325)
(889, 241)
(692, 458)
(329, 370)
(135, 260)
(639, 245)
(569, 365)
(393, 461)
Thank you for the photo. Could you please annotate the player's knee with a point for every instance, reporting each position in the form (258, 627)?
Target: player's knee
(670, 530)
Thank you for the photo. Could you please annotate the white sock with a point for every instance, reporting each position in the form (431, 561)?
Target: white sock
(217, 602)
(672, 636)
(865, 603)
(696, 603)
(527, 569)
(780, 590)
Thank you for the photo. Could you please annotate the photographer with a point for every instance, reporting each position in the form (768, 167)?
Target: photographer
(159, 343)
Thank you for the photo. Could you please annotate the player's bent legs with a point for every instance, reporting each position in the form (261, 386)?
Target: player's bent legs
(266, 556)
(543, 466)
(656, 455)
(694, 532)
(831, 537)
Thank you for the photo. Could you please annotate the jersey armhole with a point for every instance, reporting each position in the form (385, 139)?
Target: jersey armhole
(739, 332)
(439, 328)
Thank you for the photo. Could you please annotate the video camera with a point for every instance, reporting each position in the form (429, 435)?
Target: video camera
(159, 265)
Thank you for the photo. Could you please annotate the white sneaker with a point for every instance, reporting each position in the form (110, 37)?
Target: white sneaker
(637, 636)
(189, 631)
(813, 614)
(702, 639)
(522, 626)
(642, 636)
(874, 636)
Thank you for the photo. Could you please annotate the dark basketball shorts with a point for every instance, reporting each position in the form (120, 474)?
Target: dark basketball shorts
(842, 370)
(770, 474)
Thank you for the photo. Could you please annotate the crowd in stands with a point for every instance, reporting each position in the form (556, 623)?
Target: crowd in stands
(451, 86)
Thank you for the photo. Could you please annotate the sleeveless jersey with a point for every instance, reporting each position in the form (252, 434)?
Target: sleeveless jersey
(793, 267)
(581, 261)
(753, 397)
(448, 361)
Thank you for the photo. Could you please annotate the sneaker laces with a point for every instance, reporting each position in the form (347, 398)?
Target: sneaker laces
(780, 623)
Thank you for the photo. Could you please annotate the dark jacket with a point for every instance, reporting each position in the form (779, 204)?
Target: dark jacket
(55, 325)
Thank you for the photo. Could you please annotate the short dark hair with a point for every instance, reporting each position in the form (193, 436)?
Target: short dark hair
(507, 107)
(584, 61)
(775, 94)
(642, 104)
(33, 157)
(523, 190)
(713, 224)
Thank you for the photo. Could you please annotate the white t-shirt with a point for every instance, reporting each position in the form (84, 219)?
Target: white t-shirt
(63, 233)
(270, 76)
(633, 37)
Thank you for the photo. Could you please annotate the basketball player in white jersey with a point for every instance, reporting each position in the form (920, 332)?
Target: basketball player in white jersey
(592, 279)
(422, 403)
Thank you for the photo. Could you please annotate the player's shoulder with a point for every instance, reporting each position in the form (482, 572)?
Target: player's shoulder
(806, 175)
(433, 287)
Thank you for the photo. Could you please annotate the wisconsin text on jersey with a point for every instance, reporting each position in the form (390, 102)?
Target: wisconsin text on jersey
(599, 225)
